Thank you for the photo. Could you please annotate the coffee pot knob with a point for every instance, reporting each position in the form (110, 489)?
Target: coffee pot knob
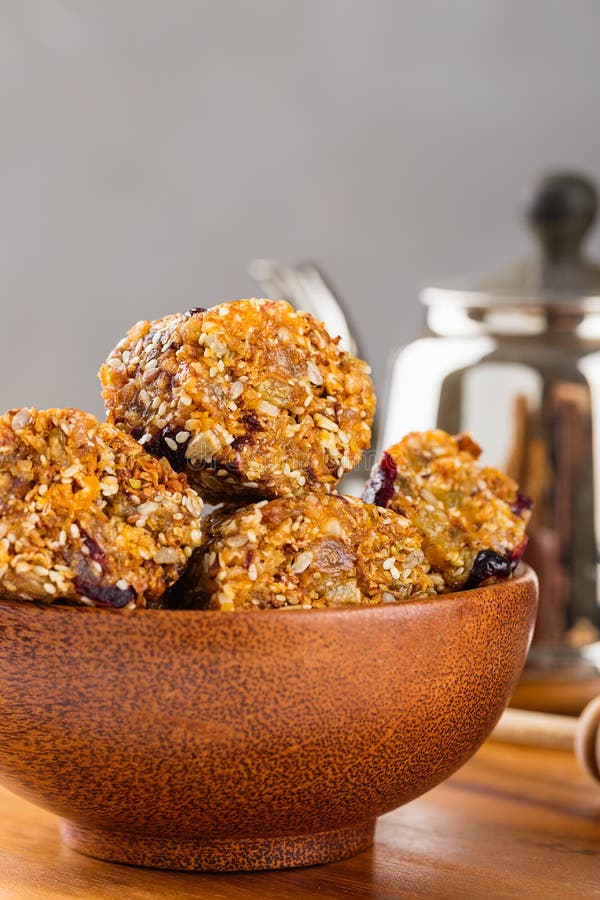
(561, 212)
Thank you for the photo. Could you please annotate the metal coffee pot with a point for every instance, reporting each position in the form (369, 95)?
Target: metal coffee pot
(515, 360)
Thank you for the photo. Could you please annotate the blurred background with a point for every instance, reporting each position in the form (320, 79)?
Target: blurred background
(150, 149)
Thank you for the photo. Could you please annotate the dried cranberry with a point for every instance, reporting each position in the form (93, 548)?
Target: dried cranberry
(252, 422)
(239, 442)
(105, 594)
(158, 446)
(96, 551)
(310, 473)
(379, 489)
(521, 504)
(489, 564)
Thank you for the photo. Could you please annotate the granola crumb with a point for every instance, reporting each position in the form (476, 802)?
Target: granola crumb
(472, 518)
(84, 513)
(250, 399)
(282, 554)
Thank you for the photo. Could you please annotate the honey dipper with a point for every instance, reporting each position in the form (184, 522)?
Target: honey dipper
(581, 735)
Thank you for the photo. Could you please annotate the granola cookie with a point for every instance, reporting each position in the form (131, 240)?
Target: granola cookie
(472, 518)
(305, 552)
(86, 514)
(251, 399)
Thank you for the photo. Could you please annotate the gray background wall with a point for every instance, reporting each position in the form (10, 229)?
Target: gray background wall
(149, 149)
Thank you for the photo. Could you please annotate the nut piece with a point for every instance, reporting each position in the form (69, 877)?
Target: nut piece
(304, 552)
(472, 518)
(87, 515)
(250, 399)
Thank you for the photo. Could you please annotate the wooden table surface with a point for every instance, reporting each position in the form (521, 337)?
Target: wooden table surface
(514, 822)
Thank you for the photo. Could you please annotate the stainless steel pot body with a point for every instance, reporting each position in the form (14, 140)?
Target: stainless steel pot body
(523, 376)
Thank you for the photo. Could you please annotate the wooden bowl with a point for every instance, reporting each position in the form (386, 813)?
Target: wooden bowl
(226, 741)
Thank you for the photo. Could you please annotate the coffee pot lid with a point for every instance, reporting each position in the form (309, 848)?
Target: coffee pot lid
(560, 214)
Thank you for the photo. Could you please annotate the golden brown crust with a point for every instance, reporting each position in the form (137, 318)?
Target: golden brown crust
(302, 552)
(86, 514)
(250, 399)
(472, 518)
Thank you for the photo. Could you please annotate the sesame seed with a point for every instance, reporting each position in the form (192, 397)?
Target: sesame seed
(49, 588)
(314, 373)
(332, 528)
(182, 436)
(216, 345)
(267, 409)
(324, 422)
(236, 540)
(146, 509)
(193, 504)
(171, 443)
(21, 419)
(302, 562)
(388, 563)
(74, 530)
(109, 486)
(252, 572)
